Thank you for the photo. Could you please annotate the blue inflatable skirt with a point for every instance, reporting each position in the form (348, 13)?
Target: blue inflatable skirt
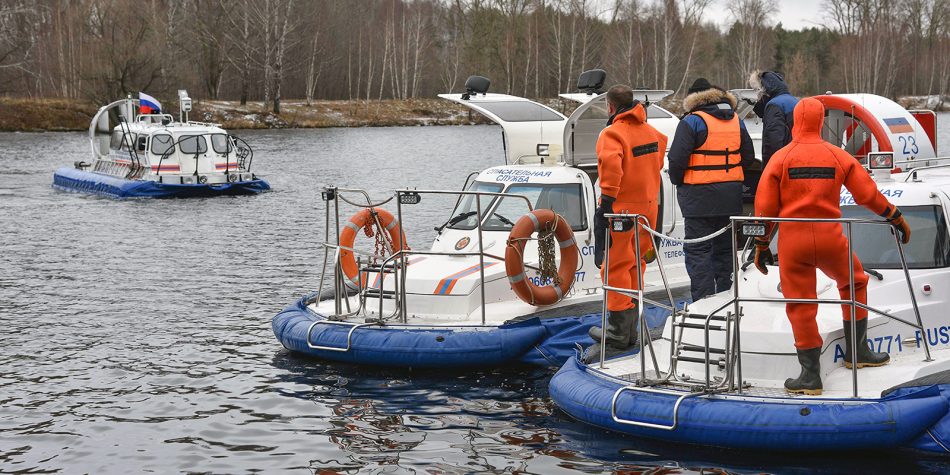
(787, 424)
(72, 179)
(541, 341)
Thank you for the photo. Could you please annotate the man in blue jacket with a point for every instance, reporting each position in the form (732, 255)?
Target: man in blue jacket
(775, 106)
(708, 158)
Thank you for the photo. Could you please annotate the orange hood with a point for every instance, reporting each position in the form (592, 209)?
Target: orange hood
(636, 115)
(809, 118)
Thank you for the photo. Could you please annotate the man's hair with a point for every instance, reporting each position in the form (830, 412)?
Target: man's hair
(620, 96)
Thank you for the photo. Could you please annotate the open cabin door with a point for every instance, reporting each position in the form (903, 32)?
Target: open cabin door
(526, 124)
(585, 123)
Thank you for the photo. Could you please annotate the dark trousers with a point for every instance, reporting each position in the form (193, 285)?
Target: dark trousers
(708, 263)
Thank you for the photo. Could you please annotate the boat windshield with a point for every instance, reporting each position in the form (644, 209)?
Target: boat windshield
(220, 144)
(929, 246)
(564, 199)
(464, 216)
(519, 111)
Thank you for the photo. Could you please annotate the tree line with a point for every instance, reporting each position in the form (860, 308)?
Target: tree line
(270, 50)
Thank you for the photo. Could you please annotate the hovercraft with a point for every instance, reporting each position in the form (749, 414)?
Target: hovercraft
(716, 376)
(480, 295)
(147, 154)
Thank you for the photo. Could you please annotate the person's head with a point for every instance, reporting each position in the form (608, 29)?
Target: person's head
(619, 96)
(768, 83)
(699, 85)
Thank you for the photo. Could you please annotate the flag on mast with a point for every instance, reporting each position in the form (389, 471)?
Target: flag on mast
(148, 104)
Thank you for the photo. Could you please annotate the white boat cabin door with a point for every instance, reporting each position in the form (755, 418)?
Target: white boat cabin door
(525, 123)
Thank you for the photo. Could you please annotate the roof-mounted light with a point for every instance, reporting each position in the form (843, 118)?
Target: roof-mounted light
(881, 160)
(475, 85)
(592, 81)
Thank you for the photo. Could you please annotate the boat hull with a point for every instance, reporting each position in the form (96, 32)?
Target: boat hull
(405, 346)
(74, 180)
(785, 424)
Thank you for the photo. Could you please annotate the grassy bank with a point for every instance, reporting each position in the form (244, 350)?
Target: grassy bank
(22, 114)
(19, 114)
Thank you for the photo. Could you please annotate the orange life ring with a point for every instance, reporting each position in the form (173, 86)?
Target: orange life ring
(348, 238)
(541, 220)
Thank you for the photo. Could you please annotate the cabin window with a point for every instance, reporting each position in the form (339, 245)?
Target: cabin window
(141, 146)
(565, 199)
(192, 144)
(519, 111)
(120, 140)
(875, 246)
(161, 144)
(220, 143)
(465, 214)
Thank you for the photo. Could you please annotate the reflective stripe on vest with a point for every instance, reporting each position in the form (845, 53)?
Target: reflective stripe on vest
(717, 160)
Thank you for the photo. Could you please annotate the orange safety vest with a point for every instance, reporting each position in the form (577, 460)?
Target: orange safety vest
(718, 156)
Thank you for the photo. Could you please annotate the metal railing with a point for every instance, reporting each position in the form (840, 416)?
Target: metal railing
(733, 348)
(396, 259)
(637, 294)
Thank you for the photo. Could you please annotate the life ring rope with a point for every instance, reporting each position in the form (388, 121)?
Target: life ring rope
(541, 221)
(364, 219)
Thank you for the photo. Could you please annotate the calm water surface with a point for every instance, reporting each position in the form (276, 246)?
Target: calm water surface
(136, 335)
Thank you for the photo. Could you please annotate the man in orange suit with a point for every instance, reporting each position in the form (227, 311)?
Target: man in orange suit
(803, 180)
(629, 159)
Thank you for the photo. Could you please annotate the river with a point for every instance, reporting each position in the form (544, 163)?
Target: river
(136, 335)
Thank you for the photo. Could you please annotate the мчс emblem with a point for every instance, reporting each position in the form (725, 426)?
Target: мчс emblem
(462, 243)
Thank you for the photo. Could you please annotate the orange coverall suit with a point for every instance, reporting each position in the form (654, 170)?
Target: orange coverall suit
(803, 180)
(629, 159)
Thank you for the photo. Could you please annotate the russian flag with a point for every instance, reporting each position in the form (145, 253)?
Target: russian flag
(148, 104)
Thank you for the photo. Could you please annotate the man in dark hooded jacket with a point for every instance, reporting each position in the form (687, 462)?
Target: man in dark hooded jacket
(775, 106)
(708, 158)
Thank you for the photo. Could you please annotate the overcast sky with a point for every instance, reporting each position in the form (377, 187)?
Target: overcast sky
(793, 14)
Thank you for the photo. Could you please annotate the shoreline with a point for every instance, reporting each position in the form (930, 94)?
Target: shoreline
(69, 115)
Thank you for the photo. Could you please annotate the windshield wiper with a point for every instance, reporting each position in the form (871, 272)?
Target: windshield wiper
(503, 219)
(455, 220)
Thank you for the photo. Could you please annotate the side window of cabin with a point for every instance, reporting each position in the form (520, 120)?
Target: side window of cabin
(220, 143)
(161, 143)
(192, 144)
(118, 141)
(142, 143)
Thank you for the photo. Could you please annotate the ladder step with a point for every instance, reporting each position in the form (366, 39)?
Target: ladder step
(690, 359)
(374, 293)
(390, 269)
(697, 316)
(698, 326)
(702, 349)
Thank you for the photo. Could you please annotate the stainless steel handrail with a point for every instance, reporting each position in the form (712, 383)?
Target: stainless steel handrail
(349, 334)
(848, 222)
(481, 248)
(643, 341)
(733, 353)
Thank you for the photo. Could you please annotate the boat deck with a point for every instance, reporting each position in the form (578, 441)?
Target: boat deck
(838, 385)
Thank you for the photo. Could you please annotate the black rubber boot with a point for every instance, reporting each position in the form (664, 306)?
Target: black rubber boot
(866, 357)
(621, 329)
(621, 335)
(809, 381)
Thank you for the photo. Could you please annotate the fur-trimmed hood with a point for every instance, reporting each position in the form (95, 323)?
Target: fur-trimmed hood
(768, 83)
(708, 97)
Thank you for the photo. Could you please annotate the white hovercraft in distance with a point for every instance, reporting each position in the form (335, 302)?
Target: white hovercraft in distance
(150, 155)
(454, 304)
(717, 375)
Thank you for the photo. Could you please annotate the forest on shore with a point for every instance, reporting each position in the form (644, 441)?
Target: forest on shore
(257, 58)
